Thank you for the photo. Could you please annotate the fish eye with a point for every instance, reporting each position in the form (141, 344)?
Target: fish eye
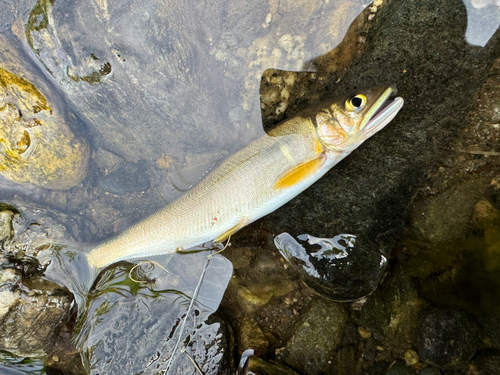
(355, 103)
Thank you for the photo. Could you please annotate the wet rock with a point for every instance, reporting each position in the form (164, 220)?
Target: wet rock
(486, 217)
(31, 313)
(447, 338)
(391, 313)
(345, 361)
(257, 366)
(351, 335)
(6, 229)
(429, 371)
(446, 216)
(316, 338)
(128, 178)
(38, 147)
(12, 10)
(250, 335)
(399, 368)
(488, 361)
(411, 358)
(340, 258)
(378, 368)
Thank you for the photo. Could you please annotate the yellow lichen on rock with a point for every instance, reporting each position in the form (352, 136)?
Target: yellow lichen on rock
(36, 145)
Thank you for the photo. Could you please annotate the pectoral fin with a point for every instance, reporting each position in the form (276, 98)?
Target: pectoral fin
(299, 173)
(243, 222)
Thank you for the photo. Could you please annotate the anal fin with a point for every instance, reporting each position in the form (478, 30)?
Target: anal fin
(243, 222)
(299, 173)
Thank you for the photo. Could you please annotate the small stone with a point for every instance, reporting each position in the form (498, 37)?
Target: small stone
(164, 162)
(364, 333)
(411, 358)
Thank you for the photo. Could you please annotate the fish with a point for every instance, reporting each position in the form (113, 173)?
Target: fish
(257, 179)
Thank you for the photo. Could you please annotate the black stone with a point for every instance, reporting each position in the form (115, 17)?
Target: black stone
(448, 338)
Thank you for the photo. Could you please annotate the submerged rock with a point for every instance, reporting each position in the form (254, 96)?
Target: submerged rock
(399, 368)
(129, 177)
(37, 146)
(316, 339)
(326, 270)
(447, 338)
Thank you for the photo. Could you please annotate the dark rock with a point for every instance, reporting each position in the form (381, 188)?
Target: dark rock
(370, 351)
(345, 361)
(447, 338)
(327, 274)
(128, 178)
(351, 335)
(378, 368)
(32, 311)
(399, 368)
(391, 312)
(488, 361)
(429, 371)
(314, 343)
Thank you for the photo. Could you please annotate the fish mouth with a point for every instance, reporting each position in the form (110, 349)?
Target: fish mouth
(381, 113)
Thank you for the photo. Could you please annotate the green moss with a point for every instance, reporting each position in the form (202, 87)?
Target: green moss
(41, 9)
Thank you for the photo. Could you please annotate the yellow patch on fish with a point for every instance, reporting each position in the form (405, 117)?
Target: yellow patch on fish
(232, 231)
(299, 174)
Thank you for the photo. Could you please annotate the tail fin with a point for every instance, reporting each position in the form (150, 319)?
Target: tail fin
(68, 266)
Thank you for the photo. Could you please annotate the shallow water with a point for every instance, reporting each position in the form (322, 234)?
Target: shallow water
(166, 88)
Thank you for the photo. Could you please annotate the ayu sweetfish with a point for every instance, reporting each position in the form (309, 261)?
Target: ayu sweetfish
(257, 179)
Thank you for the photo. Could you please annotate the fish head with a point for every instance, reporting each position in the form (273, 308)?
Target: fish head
(345, 123)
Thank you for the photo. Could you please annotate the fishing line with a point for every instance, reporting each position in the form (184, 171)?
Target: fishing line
(220, 251)
(141, 263)
(181, 329)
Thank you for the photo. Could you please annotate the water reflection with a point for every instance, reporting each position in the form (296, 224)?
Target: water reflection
(151, 319)
(338, 259)
(483, 19)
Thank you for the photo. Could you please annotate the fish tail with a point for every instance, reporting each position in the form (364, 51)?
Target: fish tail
(68, 265)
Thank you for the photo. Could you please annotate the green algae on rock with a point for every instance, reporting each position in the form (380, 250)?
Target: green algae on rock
(36, 145)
